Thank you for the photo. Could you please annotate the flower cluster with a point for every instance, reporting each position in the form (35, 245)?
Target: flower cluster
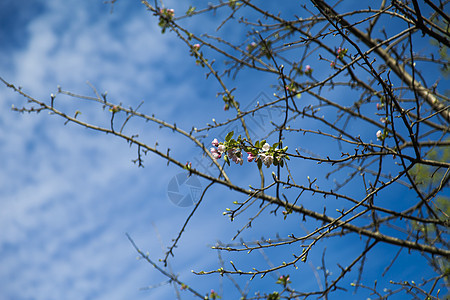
(267, 159)
(195, 52)
(165, 16)
(292, 87)
(213, 295)
(381, 135)
(308, 70)
(284, 280)
(114, 109)
(261, 152)
(168, 12)
(341, 52)
(233, 154)
(250, 47)
(302, 71)
(217, 152)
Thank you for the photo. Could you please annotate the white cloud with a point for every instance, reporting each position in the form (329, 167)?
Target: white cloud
(69, 195)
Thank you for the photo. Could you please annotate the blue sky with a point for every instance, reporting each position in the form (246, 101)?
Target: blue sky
(69, 195)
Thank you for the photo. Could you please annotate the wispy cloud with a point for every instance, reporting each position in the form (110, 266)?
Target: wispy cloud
(68, 195)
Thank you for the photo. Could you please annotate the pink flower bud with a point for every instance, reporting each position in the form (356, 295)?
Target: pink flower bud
(308, 69)
(250, 157)
(215, 142)
(251, 46)
(114, 109)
